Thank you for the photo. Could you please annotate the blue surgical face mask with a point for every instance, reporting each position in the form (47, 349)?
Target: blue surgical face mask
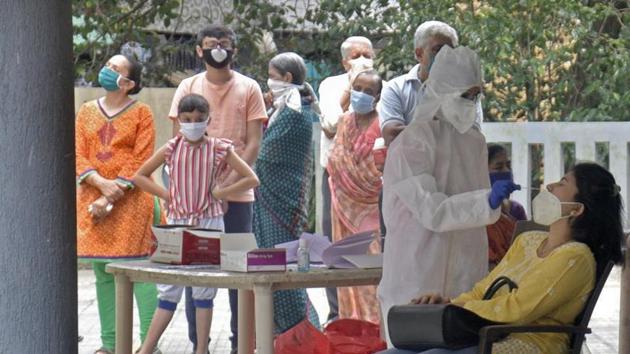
(362, 103)
(108, 79)
(500, 176)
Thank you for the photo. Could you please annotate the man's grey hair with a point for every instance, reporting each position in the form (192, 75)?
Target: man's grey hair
(290, 62)
(346, 46)
(430, 29)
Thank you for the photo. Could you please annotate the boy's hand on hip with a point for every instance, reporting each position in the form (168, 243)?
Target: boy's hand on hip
(217, 193)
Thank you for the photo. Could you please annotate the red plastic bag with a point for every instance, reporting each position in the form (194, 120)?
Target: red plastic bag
(303, 338)
(350, 336)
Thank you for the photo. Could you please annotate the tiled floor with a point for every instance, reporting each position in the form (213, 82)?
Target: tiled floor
(175, 339)
(604, 339)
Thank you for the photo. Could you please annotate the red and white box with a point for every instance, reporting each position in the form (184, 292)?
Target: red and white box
(180, 244)
(240, 253)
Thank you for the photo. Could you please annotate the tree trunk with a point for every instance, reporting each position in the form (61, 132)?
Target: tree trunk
(38, 286)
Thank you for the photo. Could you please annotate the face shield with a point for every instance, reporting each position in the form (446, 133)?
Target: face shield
(453, 72)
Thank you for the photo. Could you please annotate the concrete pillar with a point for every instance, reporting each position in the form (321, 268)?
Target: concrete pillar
(38, 284)
(624, 310)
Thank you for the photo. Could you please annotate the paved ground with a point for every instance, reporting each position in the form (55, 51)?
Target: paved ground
(175, 339)
(603, 340)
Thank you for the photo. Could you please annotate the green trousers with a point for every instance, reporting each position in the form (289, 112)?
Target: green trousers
(146, 300)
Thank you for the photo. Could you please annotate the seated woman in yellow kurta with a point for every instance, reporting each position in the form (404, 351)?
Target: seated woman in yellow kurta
(556, 270)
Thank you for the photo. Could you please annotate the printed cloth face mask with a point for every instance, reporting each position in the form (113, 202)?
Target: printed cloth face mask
(218, 58)
(547, 208)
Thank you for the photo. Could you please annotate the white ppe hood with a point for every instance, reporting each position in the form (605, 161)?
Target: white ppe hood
(435, 193)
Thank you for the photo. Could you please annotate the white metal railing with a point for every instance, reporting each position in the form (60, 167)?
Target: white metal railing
(551, 135)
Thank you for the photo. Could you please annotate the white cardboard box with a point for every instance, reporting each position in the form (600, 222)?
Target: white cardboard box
(240, 253)
(178, 244)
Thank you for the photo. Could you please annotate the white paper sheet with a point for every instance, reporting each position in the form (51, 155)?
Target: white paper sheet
(316, 244)
(365, 261)
(332, 255)
(357, 244)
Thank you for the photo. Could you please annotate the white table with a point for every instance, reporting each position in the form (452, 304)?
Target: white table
(255, 294)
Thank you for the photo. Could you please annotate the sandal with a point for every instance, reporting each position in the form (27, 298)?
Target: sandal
(103, 351)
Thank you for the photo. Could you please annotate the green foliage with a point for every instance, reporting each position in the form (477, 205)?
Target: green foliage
(101, 27)
(251, 20)
(543, 60)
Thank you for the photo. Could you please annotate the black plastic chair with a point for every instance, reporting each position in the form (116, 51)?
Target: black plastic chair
(491, 334)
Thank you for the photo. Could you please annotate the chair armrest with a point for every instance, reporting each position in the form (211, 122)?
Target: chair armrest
(490, 334)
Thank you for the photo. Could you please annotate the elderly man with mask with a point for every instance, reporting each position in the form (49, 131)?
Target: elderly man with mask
(399, 95)
(334, 94)
(437, 198)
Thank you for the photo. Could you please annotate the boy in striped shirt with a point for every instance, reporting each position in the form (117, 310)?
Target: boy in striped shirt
(193, 198)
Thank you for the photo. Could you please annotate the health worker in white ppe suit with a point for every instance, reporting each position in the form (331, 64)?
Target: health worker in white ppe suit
(436, 192)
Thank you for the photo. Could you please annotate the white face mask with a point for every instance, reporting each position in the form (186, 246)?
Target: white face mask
(547, 208)
(460, 112)
(279, 87)
(285, 93)
(193, 131)
(359, 65)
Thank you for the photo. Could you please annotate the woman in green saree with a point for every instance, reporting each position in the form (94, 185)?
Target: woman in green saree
(284, 167)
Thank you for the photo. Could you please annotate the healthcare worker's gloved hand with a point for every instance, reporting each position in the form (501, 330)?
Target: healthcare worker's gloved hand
(501, 190)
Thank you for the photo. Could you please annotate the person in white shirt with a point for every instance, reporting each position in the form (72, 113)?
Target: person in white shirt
(401, 94)
(334, 95)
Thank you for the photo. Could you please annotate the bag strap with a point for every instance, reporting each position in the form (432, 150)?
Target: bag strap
(497, 284)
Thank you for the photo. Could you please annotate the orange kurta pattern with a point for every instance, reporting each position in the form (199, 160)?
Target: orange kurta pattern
(355, 184)
(115, 147)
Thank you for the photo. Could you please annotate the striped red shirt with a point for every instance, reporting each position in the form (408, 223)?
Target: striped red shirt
(193, 171)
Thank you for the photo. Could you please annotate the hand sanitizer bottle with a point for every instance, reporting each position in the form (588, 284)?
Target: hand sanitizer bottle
(303, 257)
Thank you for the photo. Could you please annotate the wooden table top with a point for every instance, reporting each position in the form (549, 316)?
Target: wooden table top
(212, 276)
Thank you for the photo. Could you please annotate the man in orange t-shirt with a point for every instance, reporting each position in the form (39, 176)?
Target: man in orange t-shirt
(237, 112)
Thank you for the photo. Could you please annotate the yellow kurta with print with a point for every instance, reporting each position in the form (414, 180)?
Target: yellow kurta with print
(551, 291)
(115, 147)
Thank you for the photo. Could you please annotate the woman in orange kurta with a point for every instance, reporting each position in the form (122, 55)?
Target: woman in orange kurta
(114, 136)
(355, 184)
(114, 147)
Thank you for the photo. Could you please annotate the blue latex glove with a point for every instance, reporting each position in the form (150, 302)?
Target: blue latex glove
(501, 190)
